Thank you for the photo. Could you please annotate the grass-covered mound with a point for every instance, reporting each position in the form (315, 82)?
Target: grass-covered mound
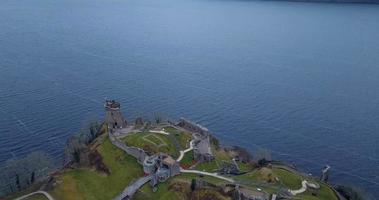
(188, 160)
(87, 183)
(179, 187)
(182, 137)
(222, 155)
(277, 178)
(152, 143)
(323, 193)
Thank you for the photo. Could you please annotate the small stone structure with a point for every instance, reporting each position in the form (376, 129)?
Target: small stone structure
(162, 167)
(113, 116)
(202, 147)
(137, 153)
(192, 127)
(229, 168)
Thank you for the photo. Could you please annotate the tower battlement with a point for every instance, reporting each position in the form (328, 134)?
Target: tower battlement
(113, 116)
(112, 105)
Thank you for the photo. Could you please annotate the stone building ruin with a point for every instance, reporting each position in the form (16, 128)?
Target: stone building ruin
(113, 116)
(202, 145)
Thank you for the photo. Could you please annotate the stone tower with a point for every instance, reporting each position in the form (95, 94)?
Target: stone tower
(113, 116)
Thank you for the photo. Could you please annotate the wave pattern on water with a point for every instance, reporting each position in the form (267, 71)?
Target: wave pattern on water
(269, 75)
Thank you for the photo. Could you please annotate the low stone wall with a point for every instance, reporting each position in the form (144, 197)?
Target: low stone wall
(137, 153)
(192, 127)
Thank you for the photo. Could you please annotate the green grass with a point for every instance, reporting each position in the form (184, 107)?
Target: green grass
(189, 176)
(266, 175)
(323, 193)
(288, 179)
(187, 160)
(141, 140)
(155, 139)
(164, 192)
(220, 155)
(91, 185)
(182, 137)
(208, 166)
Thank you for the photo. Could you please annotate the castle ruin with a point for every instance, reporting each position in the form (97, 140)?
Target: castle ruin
(113, 115)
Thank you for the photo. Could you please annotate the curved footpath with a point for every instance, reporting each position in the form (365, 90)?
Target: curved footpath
(47, 195)
(304, 185)
(207, 174)
(185, 151)
(132, 188)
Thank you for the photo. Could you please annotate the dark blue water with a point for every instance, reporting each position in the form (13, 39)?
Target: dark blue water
(299, 79)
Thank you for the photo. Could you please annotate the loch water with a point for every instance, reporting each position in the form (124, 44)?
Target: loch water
(300, 79)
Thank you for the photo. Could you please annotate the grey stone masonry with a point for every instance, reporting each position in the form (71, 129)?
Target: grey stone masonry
(137, 153)
(113, 116)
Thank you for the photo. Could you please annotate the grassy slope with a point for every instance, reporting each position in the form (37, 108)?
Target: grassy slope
(290, 180)
(138, 140)
(187, 160)
(164, 193)
(182, 137)
(324, 193)
(89, 184)
(220, 156)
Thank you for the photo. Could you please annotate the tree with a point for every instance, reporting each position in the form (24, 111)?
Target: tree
(352, 193)
(32, 178)
(18, 174)
(18, 184)
(77, 149)
(158, 117)
(193, 184)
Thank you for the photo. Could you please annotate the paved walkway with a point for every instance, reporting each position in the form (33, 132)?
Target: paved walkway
(185, 151)
(132, 188)
(207, 174)
(304, 185)
(47, 195)
(160, 132)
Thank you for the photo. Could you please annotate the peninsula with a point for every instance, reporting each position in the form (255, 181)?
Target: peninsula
(171, 160)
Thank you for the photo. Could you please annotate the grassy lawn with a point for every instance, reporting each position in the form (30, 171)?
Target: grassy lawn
(187, 160)
(182, 181)
(152, 142)
(220, 155)
(89, 184)
(289, 180)
(266, 175)
(323, 193)
(182, 137)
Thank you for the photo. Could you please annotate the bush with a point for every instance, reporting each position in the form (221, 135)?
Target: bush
(77, 150)
(19, 174)
(351, 193)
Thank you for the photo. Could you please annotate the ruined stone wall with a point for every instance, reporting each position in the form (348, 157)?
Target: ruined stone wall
(193, 127)
(137, 153)
(114, 118)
